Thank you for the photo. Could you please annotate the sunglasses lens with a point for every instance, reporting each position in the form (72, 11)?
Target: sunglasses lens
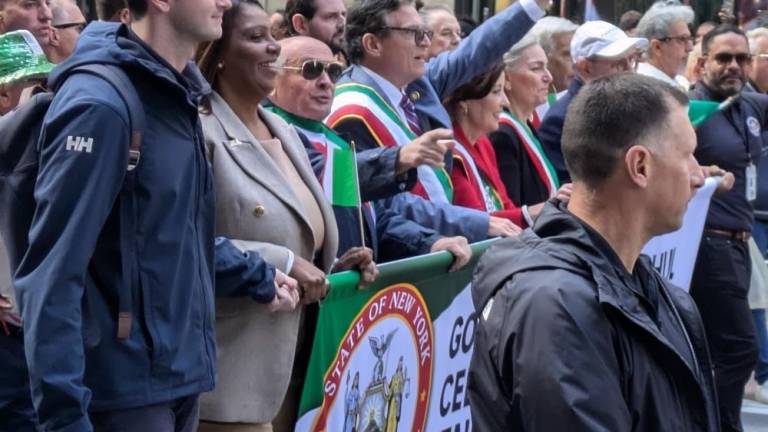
(311, 70)
(726, 58)
(334, 71)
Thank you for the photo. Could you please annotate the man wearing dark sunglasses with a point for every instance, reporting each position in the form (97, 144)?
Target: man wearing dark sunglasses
(68, 22)
(303, 97)
(732, 139)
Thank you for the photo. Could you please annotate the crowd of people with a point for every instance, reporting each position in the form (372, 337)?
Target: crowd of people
(167, 274)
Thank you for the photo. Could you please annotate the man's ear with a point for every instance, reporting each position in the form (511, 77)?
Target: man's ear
(300, 24)
(371, 45)
(637, 162)
(583, 67)
(161, 5)
(125, 16)
(55, 39)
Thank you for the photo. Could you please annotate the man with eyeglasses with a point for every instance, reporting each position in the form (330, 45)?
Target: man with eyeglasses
(598, 49)
(303, 97)
(733, 140)
(393, 87)
(68, 22)
(32, 15)
(670, 42)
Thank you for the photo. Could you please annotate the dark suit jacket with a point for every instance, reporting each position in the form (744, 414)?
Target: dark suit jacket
(551, 130)
(518, 173)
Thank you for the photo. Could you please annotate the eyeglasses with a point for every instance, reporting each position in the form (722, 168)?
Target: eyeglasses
(418, 33)
(79, 26)
(726, 58)
(312, 69)
(685, 40)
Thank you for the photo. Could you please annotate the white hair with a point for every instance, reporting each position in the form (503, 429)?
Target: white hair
(515, 53)
(547, 28)
(427, 10)
(657, 20)
(754, 35)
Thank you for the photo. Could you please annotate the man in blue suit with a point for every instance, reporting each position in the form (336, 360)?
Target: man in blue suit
(387, 43)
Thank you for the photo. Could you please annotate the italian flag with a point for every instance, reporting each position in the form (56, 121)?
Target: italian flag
(339, 178)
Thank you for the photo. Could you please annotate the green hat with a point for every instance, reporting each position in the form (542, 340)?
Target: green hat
(21, 57)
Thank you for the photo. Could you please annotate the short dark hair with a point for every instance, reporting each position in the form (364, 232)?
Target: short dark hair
(610, 115)
(107, 9)
(629, 20)
(138, 8)
(476, 88)
(209, 54)
(706, 41)
(368, 16)
(303, 7)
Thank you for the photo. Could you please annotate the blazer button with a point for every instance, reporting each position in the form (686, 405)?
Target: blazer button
(259, 211)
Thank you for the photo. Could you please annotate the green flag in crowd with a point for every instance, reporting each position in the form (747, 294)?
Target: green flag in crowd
(700, 111)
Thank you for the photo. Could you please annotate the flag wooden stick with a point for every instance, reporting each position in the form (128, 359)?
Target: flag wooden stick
(360, 205)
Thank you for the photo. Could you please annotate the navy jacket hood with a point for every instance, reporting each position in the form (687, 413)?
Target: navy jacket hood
(116, 44)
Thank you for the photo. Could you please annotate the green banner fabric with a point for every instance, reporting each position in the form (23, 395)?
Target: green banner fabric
(393, 356)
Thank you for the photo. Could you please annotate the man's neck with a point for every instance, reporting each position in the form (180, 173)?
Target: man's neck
(615, 219)
(165, 42)
(373, 66)
(655, 63)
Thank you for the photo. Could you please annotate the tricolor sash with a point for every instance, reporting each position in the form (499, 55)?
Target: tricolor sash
(361, 102)
(339, 176)
(535, 152)
(490, 196)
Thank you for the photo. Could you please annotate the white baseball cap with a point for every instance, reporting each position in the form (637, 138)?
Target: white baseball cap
(602, 39)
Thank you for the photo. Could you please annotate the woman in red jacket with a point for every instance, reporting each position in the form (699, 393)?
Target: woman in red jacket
(475, 109)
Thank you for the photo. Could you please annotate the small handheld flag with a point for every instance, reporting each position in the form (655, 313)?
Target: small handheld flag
(700, 111)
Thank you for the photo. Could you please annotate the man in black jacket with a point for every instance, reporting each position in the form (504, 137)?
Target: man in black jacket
(577, 331)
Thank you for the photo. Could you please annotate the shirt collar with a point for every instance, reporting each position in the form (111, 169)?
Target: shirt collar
(652, 71)
(393, 94)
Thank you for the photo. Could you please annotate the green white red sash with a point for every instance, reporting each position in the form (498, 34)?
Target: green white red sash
(491, 198)
(533, 147)
(339, 177)
(361, 102)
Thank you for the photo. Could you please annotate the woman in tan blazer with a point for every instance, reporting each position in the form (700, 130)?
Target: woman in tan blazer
(268, 200)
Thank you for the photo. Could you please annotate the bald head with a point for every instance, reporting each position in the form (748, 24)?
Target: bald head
(300, 47)
(66, 12)
(308, 98)
(68, 21)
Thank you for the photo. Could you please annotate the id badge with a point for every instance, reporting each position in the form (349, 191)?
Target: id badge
(751, 180)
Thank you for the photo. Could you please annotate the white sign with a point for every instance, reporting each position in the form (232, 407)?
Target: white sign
(674, 254)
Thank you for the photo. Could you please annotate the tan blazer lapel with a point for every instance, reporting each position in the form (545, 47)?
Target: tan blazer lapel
(246, 150)
(298, 156)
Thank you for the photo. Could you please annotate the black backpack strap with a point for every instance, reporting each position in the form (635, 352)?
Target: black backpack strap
(119, 80)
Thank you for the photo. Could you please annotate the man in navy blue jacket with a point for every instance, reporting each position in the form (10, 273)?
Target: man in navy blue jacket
(95, 247)
(732, 140)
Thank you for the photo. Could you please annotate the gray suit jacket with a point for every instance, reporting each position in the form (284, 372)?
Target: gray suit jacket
(258, 211)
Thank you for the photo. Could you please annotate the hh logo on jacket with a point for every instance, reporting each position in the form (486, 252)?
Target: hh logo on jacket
(79, 144)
